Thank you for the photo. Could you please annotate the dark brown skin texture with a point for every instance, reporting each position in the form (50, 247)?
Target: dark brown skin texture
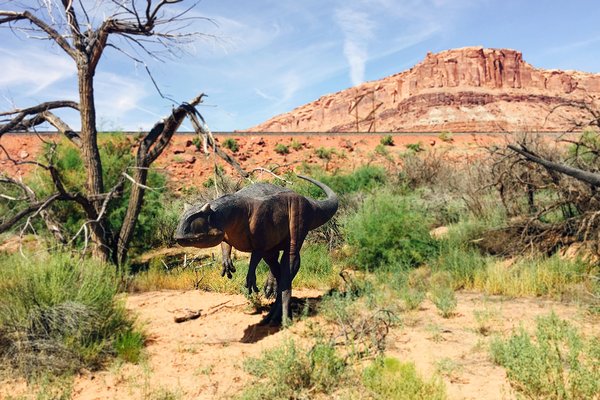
(262, 219)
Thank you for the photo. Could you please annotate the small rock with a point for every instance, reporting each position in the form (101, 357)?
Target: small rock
(188, 158)
(23, 154)
(189, 143)
(439, 232)
(178, 150)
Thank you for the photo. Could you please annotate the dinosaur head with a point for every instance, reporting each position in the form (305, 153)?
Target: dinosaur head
(197, 230)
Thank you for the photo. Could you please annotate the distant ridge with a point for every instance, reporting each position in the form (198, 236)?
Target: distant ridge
(471, 89)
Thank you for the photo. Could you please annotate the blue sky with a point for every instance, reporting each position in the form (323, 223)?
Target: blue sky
(274, 55)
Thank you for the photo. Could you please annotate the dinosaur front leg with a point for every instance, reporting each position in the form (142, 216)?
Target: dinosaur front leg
(228, 267)
(255, 258)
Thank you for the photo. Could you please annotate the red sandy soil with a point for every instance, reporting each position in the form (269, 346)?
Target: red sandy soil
(203, 358)
(186, 165)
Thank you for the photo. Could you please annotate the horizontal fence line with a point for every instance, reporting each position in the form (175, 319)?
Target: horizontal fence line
(233, 133)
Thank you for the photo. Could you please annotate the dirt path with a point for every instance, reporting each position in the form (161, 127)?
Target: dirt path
(203, 358)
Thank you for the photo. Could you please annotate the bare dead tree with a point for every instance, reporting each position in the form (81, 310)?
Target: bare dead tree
(148, 28)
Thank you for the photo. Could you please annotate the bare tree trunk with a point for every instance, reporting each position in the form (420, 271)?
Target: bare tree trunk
(91, 156)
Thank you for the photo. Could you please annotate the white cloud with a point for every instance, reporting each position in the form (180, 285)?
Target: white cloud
(358, 29)
(33, 69)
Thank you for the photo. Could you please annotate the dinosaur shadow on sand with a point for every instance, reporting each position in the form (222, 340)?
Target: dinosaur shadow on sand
(301, 307)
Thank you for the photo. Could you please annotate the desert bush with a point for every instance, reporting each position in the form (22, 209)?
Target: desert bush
(446, 137)
(557, 362)
(288, 371)
(282, 149)
(231, 144)
(415, 147)
(363, 179)
(116, 154)
(388, 378)
(388, 230)
(325, 153)
(59, 314)
(387, 140)
(296, 145)
(539, 276)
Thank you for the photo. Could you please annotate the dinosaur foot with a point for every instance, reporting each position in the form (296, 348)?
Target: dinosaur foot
(270, 287)
(273, 318)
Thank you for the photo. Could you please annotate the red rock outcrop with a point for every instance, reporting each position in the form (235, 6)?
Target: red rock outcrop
(471, 89)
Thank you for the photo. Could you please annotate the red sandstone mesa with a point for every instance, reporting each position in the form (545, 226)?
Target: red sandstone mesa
(471, 89)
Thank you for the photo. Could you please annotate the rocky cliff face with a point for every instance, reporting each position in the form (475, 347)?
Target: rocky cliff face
(471, 89)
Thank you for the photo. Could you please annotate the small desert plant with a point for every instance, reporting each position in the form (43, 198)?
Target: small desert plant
(412, 298)
(381, 150)
(282, 149)
(445, 301)
(296, 145)
(415, 147)
(197, 142)
(387, 140)
(388, 378)
(556, 362)
(231, 144)
(325, 153)
(128, 346)
(446, 137)
(289, 371)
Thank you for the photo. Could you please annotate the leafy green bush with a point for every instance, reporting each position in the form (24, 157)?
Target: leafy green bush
(231, 144)
(391, 379)
(282, 149)
(387, 140)
(296, 145)
(59, 314)
(362, 179)
(556, 363)
(388, 230)
(116, 154)
(288, 372)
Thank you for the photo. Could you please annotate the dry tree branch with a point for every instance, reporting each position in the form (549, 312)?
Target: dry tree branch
(13, 16)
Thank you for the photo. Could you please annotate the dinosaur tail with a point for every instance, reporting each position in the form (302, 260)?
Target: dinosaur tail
(325, 208)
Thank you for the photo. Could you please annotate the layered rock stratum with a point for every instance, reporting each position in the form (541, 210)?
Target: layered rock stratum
(471, 89)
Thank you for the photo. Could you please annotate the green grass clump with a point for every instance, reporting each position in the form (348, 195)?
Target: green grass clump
(388, 230)
(555, 363)
(282, 149)
(231, 144)
(363, 179)
(288, 372)
(58, 315)
(325, 153)
(387, 378)
(387, 140)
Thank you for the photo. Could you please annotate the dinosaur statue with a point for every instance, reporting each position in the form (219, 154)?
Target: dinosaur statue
(262, 219)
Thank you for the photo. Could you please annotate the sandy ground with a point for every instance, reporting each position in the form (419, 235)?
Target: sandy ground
(203, 358)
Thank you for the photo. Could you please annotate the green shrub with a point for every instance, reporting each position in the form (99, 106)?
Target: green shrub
(362, 179)
(296, 145)
(117, 156)
(287, 372)
(325, 153)
(391, 379)
(128, 346)
(412, 297)
(446, 137)
(231, 144)
(59, 314)
(388, 230)
(381, 150)
(415, 147)
(282, 149)
(387, 140)
(555, 363)
(445, 300)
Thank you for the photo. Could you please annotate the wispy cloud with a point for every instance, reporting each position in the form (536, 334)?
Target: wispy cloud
(358, 29)
(33, 69)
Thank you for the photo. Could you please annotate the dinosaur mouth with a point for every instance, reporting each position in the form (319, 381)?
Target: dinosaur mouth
(200, 241)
